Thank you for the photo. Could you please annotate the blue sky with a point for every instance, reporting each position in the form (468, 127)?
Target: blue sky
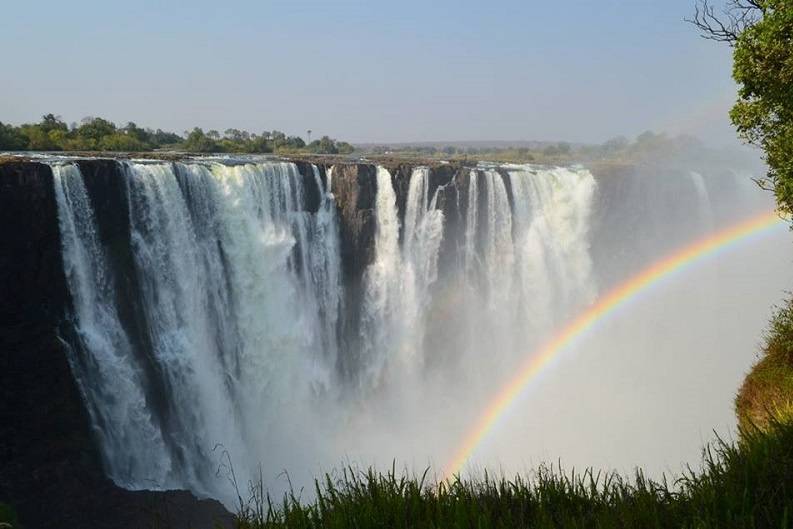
(575, 70)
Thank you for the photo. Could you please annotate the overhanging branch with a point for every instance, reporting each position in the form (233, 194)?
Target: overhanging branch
(727, 24)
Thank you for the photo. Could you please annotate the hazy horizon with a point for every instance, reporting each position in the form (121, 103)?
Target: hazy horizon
(580, 72)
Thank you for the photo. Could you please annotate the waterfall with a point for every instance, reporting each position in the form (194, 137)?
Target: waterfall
(382, 296)
(212, 329)
(239, 292)
(499, 258)
(422, 238)
(325, 261)
(108, 372)
(471, 223)
(397, 283)
(551, 226)
(170, 265)
(706, 211)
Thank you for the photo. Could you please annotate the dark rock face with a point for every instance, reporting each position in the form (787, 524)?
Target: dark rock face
(451, 184)
(354, 186)
(355, 189)
(51, 470)
(312, 193)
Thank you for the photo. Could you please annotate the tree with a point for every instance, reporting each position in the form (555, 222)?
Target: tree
(50, 122)
(38, 139)
(197, 141)
(95, 129)
(278, 138)
(761, 34)
(11, 139)
(236, 135)
(295, 142)
(728, 24)
(344, 147)
(122, 142)
(161, 138)
(259, 144)
(94, 133)
(326, 145)
(138, 134)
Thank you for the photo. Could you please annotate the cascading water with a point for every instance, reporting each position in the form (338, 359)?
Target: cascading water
(325, 267)
(239, 293)
(229, 349)
(106, 367)
(383, 297)
(397, 283)
(170, 265)
(471, 223)
(704, 199)
(526, 261)
(499, 256)
(552, 210)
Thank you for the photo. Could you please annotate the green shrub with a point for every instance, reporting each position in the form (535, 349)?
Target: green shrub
(767, 391)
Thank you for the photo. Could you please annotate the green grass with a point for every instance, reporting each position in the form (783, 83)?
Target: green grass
(767, 391)
(744, 485)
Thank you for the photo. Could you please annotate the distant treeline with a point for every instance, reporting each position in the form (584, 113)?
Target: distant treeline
(98, 134)
(618, 148)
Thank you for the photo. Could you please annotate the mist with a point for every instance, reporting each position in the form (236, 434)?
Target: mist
(278, 366)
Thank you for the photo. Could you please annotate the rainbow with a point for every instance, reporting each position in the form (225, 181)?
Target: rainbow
(602, 308)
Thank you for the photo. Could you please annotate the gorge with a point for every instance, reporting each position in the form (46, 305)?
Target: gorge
(172, 321)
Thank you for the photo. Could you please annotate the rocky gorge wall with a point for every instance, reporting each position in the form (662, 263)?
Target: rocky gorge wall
(51, 470)
(48, 448)
(48, 442)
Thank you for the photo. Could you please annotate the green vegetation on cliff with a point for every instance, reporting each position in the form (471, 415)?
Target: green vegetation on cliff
(767, 391)
(760, 32)
(98, 134)
(240, 141)
(763, 69)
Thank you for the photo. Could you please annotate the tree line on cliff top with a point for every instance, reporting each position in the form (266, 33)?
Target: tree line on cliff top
(98, 134)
